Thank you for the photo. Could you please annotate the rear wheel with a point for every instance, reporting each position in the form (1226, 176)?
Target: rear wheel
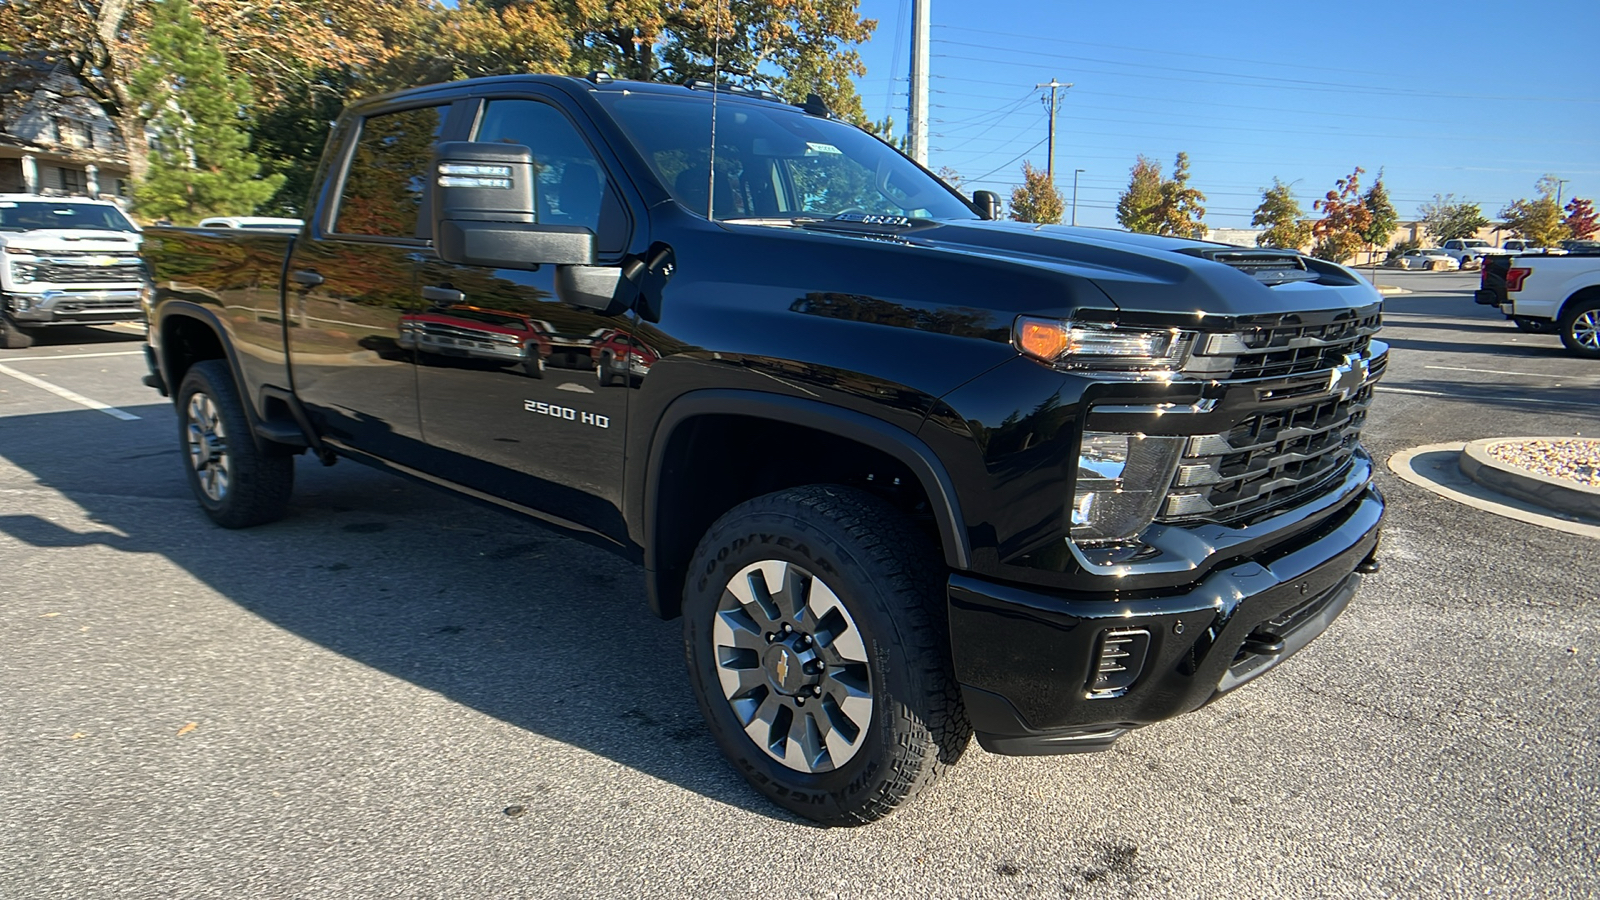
(237, 484)
(1580, 328)
(12, 337)
(816, 644)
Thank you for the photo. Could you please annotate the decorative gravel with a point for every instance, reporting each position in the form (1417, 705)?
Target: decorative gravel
(1573, 459)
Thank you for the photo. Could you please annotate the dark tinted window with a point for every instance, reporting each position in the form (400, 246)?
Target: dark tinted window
(384, 188)
(29, 215)
(572, 188)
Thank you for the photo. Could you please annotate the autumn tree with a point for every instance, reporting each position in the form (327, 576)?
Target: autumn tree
(1138, 207)
(202, 167)
(1179, 212)
(1281, 218)
(1384, 220)
(1581, 221)
(1036, 199)
(1345, 217)
(1537, 220)
(1445, 219)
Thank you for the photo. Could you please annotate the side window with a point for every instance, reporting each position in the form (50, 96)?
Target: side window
(573, 188)
(384, 188)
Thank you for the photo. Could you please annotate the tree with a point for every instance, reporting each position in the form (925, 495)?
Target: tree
(1036, 199)
(1581, 221)
(1344, 219)
(1446, 219)
(203, 167)
(950, 176)
(1179, 213)
(1137, 208)
(1282, 217)
(1384, 218)
(1537, 220)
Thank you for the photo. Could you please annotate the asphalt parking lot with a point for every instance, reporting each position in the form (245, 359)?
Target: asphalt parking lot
(395, 693)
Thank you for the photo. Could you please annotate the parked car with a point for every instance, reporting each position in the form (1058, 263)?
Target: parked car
(1543, 294)
(65, 261)
(1469, 252)
(1431, 259)
(1520, 246)
(270, 223)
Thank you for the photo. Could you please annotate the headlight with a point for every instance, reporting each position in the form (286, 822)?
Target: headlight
(24, 273)
(1121, 482)
(1079, 345)
(19, 251)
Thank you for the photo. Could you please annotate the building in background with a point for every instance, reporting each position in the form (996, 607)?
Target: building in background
(54, 140)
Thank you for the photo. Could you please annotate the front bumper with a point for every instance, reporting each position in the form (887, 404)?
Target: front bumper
(74, 307)
(1028, 661)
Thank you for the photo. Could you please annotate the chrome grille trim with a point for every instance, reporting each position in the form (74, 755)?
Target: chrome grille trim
(1281, 351)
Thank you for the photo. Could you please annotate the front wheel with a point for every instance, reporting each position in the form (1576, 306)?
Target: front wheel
(237, 484)
(817, 648)
(1580, 328)
(12, 337)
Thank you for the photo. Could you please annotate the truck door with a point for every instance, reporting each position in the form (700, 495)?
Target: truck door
(352, 281)
(507, 381)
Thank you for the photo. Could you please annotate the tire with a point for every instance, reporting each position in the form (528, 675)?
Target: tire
(12, 337)
(856, 627)
(602, 370)
(236, 483)
(1580, 328)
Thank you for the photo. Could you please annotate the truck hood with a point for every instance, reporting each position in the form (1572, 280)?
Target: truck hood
(1148, 274)
(49, 239)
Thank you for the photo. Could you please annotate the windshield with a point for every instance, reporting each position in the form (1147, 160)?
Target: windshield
(27, 215)
(773, 162)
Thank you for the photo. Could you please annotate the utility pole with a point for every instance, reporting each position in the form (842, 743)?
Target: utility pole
(1560, 183)
(917, 120)
(1050, 160)
(1075, 174)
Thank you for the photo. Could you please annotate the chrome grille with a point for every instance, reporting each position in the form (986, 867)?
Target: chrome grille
(1267, 462)
(1282, 350)
(82, 274)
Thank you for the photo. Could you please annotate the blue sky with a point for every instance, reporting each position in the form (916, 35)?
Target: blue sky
(1475, 99)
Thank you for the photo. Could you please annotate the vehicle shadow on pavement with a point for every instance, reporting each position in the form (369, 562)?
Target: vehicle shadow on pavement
(487, 610)
(1548, 347)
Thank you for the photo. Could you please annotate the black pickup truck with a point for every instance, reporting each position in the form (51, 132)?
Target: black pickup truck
(907, 473)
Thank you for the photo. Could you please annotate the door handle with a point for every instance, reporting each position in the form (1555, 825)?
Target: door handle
(442, 294)
(305, 277)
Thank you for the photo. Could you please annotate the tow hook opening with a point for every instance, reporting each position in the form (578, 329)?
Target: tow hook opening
(1262, 643)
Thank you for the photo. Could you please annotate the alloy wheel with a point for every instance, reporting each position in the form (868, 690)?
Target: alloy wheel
(208, 447)
(793, 666)
(1586, 330)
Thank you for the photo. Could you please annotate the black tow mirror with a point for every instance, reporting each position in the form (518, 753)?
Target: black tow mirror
(987, 203)
(484, 202)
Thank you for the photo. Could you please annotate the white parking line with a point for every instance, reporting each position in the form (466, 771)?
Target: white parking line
(65, 394)
(1493, 371)
(73, 356)
(1395, 390)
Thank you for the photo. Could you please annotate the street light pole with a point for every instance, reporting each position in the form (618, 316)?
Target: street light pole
(1075, 174)
(1560, 183)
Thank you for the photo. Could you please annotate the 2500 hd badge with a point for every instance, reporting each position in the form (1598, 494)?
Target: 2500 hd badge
(567, 413)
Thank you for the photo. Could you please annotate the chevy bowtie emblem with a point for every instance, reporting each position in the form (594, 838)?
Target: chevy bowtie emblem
(783, 668)
(1348, 377)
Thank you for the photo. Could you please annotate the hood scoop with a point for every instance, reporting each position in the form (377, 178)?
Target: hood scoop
(1272, 267)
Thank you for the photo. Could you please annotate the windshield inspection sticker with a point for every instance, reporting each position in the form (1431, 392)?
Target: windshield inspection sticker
(566, 413)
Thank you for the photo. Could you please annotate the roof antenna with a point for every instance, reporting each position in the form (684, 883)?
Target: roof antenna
(711, 166)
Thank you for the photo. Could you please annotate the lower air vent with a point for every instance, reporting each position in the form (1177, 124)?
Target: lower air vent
(1118, 661)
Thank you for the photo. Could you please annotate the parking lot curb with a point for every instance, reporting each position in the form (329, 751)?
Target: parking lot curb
(1437, 468)
(1553, 493)
(1387, 290)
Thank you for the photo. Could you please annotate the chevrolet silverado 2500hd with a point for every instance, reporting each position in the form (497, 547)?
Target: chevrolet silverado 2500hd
(906, 473)
(66, 261)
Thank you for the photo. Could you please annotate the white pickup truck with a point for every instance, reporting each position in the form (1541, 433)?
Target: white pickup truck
(65, 261)
(1469, 251)
(1548, 293)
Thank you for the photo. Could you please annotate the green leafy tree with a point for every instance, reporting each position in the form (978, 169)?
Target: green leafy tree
(1344, 219)
(1138, 209)
(1180, 214)
(1537, 220)
(202, 167)
(1581, 221)
(1282, 219)
(1385, 221)
(1446, 219)
(1036, 199)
